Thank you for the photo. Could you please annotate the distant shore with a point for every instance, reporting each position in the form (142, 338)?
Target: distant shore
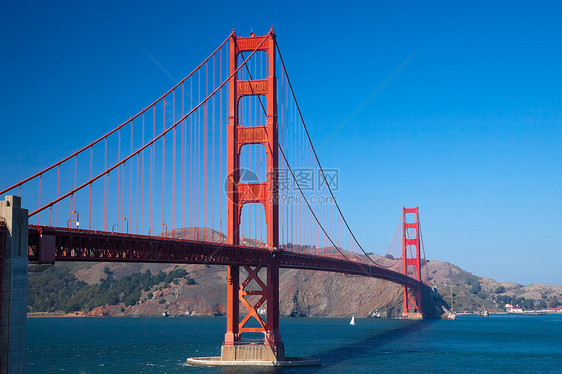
(53, 315)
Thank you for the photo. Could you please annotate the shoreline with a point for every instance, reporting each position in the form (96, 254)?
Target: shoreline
(82, 315)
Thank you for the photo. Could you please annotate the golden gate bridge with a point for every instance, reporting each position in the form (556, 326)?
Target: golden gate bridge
(219, 170)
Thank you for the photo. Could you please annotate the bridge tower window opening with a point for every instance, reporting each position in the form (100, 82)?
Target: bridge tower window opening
(253, 231)
(256, 68)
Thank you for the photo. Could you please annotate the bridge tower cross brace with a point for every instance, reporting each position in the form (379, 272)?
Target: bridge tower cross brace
(411, 243)
(265, 193)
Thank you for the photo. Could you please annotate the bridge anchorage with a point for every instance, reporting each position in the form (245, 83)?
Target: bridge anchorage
(112, 187)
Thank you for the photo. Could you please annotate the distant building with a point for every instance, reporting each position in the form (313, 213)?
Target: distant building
(510, 309)
(515, 310)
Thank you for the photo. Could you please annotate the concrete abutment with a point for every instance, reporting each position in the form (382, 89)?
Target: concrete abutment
(14, 286)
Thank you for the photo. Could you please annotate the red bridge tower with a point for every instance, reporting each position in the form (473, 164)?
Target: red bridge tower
(264, 193)
(411, 244)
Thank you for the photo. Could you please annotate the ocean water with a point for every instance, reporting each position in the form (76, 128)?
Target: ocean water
(471, 344)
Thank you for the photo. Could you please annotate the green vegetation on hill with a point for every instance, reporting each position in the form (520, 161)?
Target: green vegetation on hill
(473, 283)
(521, 302)
(50, 289)
(57, 289)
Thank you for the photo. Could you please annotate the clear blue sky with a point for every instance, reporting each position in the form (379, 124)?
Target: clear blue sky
(470, 129)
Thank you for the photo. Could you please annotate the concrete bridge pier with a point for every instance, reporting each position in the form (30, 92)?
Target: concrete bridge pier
(13, 287)
(236, 352)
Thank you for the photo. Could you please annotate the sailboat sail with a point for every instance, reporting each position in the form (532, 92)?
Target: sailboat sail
(352, 322)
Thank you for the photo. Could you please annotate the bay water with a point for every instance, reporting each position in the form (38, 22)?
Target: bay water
(471, 344)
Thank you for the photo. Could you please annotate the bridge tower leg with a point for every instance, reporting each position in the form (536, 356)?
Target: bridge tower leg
(13, 285)
(411, 244)
(264, 193)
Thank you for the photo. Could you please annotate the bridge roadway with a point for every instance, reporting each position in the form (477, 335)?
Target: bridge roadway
(49, 244)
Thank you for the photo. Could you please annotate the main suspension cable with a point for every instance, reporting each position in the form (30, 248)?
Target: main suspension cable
(73, 191)
(317, 159)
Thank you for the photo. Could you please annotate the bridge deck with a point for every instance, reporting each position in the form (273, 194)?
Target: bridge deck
(49, 244)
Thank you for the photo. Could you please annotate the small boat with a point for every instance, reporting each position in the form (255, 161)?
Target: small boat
(165, 313)
(352, 322)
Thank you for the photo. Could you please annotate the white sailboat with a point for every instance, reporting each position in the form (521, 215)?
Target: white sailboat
(352, 322)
